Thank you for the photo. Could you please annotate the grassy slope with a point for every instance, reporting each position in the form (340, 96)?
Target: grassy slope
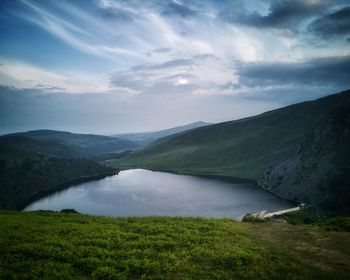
(71, 246)
(243, 148)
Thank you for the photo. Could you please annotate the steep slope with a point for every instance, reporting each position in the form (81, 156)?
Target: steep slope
(243, 148)
(149, 137)
(79, 145)
(319, 173)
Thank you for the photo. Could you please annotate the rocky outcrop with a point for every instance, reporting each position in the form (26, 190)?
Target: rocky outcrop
(318, 174)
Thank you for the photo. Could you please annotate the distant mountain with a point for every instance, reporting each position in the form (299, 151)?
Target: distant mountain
(281, 142)
(68, 144)
(144, 138)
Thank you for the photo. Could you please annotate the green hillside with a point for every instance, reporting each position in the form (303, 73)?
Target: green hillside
(42, 245)
(244, 148)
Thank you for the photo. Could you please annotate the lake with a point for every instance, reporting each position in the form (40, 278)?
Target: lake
(139, 192)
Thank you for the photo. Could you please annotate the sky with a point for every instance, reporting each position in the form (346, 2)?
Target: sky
(113, 66)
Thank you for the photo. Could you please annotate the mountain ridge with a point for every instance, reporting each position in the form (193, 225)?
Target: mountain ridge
(76, 144)
(145, 138)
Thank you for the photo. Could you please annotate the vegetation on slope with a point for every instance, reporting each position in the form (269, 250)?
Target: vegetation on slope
(319, 172)
(77, 145)
(33, 177)
(245, 148)
(30, 168)
(72, 246)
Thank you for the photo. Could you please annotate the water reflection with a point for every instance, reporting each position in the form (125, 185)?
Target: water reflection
(139, 192)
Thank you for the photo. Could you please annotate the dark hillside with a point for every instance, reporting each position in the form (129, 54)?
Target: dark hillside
(79, 145)
(30, 167)
(319, 173)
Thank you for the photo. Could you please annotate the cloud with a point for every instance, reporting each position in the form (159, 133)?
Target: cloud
(49, 88)
(280, 13)
(177, 9)
(162, 50)
(332, 24)
(116, 14)
(173, 64)
(321, 72)
(76, 34)
(204, 71)
(24, 75)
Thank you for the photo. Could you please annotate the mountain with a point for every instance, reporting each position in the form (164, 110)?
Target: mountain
(319, 172)
(145, 138)
(72, 144)
(250, 147)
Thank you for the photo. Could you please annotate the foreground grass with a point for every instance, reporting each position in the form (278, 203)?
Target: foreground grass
(73, 246)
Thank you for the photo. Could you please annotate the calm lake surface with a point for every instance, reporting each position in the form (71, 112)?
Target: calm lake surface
(139, 192)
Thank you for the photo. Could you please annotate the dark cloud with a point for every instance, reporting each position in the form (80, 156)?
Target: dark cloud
(173, 63)
(182, 62)
(55, 88)
(178, 10)
(166, 65)
(329, 71)
(286, 96)
(282, 14)
(162, 50)
(333, 24)
(116, 14)
(205, 56)
(48, 87)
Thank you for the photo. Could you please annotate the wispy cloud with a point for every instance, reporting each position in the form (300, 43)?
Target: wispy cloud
(24, 75)
(75, 35)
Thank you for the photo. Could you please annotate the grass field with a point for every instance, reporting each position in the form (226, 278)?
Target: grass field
(42, 245)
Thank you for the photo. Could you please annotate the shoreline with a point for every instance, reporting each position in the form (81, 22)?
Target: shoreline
(65, 185)
(229, 179)
(225, 178)
(77, 181)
